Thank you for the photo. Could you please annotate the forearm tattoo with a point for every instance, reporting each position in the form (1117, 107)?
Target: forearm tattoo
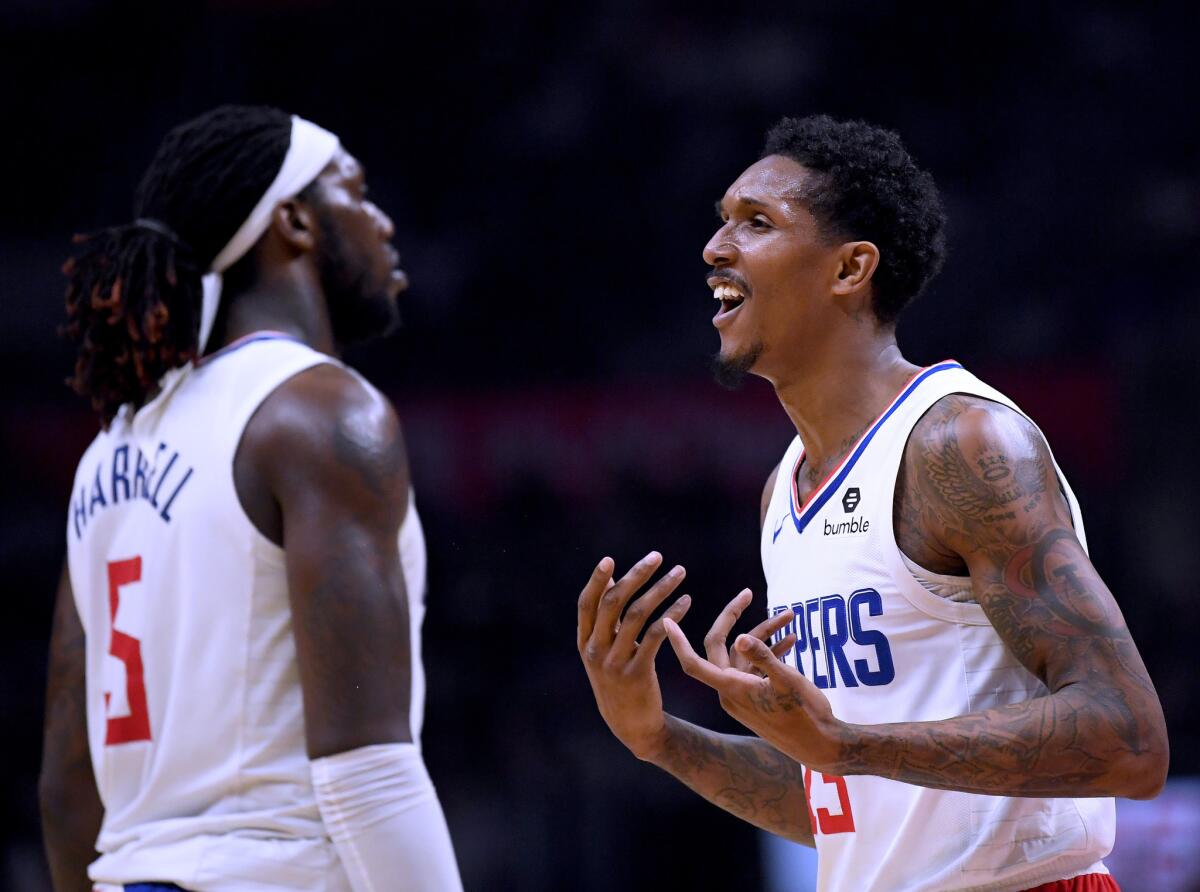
(745, 776)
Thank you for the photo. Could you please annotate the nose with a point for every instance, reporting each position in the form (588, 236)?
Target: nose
(386, 227)
(720, 251)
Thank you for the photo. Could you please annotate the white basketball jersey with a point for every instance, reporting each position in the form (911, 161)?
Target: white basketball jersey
(884, 649)
(195, 716)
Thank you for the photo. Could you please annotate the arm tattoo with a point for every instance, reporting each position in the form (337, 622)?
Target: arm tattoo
(745, 776)
(978, 483)
(990, 485)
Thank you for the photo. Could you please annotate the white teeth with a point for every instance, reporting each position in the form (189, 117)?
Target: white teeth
(725, 291)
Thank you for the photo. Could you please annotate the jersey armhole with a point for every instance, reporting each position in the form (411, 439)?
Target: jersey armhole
(263, 541)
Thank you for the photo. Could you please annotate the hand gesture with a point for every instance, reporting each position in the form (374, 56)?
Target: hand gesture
(762, 692)
(619, 667)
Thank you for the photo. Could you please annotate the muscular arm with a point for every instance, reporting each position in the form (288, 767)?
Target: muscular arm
(979, 482)
(70, 804)
(330, 451)
(329, 448)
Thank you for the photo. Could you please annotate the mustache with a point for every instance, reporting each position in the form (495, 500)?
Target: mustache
(727, 275)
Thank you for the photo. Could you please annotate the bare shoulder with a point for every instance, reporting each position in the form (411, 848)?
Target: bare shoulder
(993, 435)
(972, 469)
(327, 429)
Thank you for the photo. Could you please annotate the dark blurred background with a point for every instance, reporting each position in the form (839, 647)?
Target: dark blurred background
(551, 168)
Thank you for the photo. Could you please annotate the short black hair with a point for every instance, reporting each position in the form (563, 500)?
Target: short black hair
(868, 187)
(133, 292)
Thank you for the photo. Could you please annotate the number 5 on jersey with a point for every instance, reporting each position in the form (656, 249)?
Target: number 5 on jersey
(136, 725)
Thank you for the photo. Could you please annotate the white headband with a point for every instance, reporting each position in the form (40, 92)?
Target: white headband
(311, 148)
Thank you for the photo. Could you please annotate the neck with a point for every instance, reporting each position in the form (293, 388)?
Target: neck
(288, 300)
(833, 400)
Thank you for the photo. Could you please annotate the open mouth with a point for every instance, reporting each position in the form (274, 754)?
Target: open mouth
(730, 296)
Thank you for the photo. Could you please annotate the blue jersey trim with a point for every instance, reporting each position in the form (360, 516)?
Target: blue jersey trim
(244, 341)
(815, 505)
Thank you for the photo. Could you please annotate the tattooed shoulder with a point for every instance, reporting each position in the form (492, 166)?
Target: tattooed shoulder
(978, 469)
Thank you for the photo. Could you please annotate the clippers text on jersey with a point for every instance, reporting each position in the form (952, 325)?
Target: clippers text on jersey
(835, 641)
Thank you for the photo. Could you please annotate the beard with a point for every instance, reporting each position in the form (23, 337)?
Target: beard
(359, 308)
(731, 371)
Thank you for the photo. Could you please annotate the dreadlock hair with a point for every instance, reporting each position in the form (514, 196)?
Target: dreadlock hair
(867, 186)
(134, 291)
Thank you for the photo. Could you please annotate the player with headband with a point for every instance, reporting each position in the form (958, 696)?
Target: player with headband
(235, 689)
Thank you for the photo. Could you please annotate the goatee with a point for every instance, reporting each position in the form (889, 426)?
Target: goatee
(731, 371)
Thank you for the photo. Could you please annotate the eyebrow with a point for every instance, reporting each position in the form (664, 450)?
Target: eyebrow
(742, 200)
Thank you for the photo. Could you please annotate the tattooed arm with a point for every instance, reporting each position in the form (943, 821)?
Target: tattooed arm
(978, 484)
(70, 804)
(745, 776)
(978, 491)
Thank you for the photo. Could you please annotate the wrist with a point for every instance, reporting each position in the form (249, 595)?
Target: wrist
(650, 747)
(849, 752)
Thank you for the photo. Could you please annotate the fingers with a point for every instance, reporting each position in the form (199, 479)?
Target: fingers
(599, 582)
(613, 601)
(640, 610)
(764, 631)
(781, 648)
(714, 641)
(657, 633)
(762, 658)
(693, 664)
(769, 626)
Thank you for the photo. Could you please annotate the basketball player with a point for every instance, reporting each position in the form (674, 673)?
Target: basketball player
(236, 638)
(952, 696)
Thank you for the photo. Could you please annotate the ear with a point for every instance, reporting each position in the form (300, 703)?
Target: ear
(856, 264)
(296, 224)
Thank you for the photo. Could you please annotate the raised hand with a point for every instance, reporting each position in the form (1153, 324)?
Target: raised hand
(619, 667)
(762, 692)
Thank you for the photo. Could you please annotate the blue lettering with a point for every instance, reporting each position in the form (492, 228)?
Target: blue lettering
(120, 472)
(140, 466)
(164, 513)
(145, 483)
(154, 470)
(835, 635)
(166, 472)
(840, 623)
(801, 636)
(814, 643)
(79, 512)
(870, 638)
(97, 495)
